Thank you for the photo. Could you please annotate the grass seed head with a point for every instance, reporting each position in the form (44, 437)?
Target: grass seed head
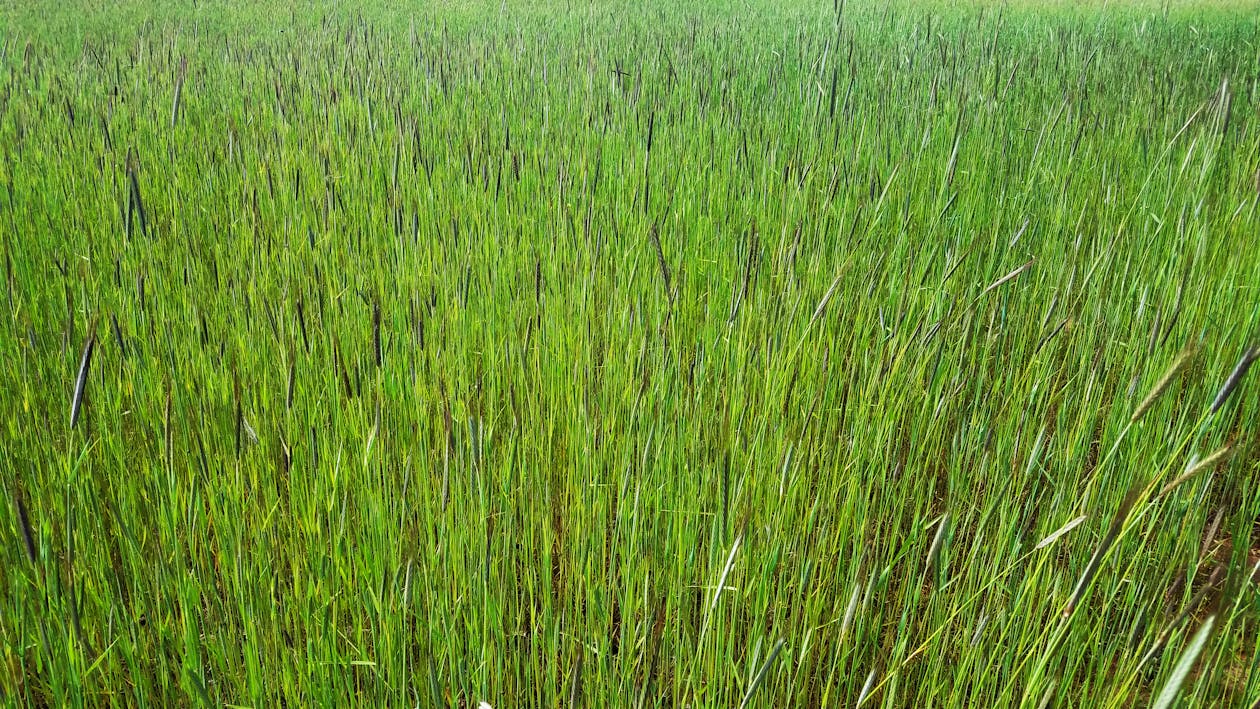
(80, 382)
(1162, 385)
(1235, 377)
(24, 524)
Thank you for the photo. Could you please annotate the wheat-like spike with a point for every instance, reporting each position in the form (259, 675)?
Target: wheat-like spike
(575, 684)
(660, 257)
(179, 90)
(1248, 358)
(934, 552)
(80, 382)
(1056, 534)
(24, 523)
(1196, 468)
(1008, 277)
(1162, 385)
(866, 688)
(717, 591)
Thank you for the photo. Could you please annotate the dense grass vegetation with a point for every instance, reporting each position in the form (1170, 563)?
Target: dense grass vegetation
(664, 354)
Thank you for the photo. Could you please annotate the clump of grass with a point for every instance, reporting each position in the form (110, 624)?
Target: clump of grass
(701, 356)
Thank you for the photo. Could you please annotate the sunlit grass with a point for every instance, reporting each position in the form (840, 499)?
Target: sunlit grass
(668, 354)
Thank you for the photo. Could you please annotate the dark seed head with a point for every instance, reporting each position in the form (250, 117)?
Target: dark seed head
(24, 522)
(1248, 358)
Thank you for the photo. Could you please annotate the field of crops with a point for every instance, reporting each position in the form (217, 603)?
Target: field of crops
(706, 353)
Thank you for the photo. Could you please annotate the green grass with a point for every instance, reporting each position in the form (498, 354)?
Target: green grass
(628, 354)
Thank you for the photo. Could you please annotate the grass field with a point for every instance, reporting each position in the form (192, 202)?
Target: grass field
(697, 353)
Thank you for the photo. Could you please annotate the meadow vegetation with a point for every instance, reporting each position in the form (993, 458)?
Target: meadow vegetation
(697, 353)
